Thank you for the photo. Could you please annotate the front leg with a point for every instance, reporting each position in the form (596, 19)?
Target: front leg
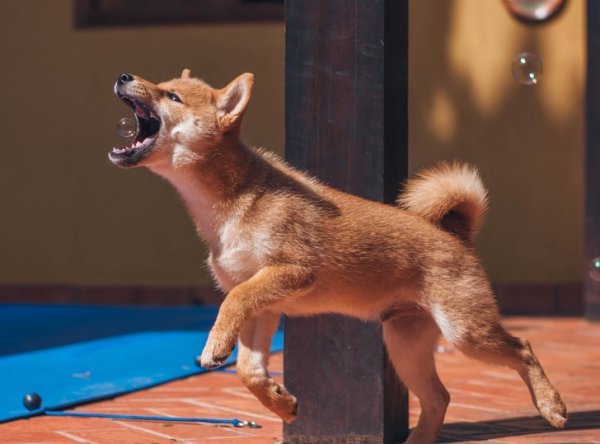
(267, 287)
(253, 359)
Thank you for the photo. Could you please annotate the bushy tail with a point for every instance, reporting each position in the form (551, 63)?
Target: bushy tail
(451, 195)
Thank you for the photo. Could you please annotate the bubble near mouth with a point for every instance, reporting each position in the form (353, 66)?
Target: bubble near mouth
(143, 127)
(127, 127)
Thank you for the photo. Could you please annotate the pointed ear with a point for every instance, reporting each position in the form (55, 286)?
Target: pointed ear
(185, 74)
(233, 100)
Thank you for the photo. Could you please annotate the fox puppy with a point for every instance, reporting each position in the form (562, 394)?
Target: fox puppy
(281, 242)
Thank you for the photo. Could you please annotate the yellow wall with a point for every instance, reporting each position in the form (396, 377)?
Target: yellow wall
(69, 216)
(527, 141)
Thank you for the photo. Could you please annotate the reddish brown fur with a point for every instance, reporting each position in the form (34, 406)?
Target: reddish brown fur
(281, 242)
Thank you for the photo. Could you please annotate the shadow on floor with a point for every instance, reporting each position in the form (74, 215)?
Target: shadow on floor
(485, 430)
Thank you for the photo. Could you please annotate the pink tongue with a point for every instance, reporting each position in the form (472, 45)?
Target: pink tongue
(140, 111)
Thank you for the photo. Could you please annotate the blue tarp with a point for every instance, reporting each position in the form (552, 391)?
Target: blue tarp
(75, 354)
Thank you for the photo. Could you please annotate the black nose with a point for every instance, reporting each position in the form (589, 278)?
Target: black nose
(125, 77)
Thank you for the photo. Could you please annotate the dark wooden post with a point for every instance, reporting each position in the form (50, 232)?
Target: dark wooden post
(592, 162)
(346, 122)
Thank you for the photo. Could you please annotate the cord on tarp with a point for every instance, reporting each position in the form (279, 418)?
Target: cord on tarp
(234, 422)
(231, 371)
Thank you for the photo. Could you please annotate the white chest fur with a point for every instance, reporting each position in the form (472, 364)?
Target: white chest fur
(243, 251)
(238, 249)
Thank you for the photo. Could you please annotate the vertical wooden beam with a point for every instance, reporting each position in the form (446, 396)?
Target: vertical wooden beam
(592, 161)
(346, 122)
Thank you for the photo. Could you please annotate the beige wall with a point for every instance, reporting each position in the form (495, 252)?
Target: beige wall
(527, 141)
(69, 216)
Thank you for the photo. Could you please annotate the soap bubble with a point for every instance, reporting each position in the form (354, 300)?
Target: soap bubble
(594, 269)
(127, 127)
(527, 68)
(535, 10)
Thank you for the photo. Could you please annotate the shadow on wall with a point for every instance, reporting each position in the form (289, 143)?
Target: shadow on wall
(527, 141)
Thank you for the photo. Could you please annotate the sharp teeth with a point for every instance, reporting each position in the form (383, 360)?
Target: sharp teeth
(127, 149)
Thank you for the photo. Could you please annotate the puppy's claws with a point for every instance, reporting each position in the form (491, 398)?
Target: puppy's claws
(287, 407)
(291, 417)
(211, 363)
(211, 358)
(555, 412)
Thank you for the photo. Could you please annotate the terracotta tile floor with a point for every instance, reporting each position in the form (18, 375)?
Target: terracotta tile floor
(488, 404)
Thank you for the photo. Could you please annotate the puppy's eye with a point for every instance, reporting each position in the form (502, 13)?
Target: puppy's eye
(174, 97)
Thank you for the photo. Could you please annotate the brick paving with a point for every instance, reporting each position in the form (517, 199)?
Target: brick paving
(489, 404)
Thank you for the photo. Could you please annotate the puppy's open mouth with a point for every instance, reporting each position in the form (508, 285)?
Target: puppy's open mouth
(148, 128)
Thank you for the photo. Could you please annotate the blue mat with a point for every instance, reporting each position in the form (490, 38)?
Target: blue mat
(160, 345)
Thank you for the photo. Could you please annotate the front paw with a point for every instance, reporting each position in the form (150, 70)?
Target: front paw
(288, 408)
(216, 351)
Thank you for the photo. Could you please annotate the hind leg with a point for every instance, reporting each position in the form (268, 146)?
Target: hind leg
(475, 329)
(410, 341)
(499, 347)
